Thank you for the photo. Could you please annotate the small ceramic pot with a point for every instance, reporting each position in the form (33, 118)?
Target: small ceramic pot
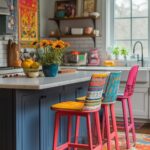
(88, 30)
(50, 70)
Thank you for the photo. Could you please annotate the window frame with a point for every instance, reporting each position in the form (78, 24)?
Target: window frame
(111, 26)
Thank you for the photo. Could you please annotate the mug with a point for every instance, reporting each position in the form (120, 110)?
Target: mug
(96, 32)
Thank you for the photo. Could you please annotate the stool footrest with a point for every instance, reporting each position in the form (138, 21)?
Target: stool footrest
(63, 146)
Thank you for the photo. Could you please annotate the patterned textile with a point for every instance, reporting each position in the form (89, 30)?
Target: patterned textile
(111, 90)
(143, 142)
(95, 91)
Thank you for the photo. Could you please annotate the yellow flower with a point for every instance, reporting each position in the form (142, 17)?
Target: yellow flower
(58, 44)
(34, 43)
(44, 43)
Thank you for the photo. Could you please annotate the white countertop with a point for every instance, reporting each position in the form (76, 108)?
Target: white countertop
(100, 68)
(44, 82)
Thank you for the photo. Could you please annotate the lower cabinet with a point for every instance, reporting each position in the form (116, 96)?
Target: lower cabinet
(140, 103)
(35, 119)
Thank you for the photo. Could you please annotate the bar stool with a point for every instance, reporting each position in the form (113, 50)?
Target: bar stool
(126, 99)
(109, 99)
(80, 109)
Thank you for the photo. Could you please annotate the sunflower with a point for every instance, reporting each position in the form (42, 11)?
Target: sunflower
(58, 44)
(44, 43)
(34, 43)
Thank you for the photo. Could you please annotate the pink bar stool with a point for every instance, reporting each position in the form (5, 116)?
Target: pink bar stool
(126, 99)
(110, 96)
(90, 107)
(70, 114)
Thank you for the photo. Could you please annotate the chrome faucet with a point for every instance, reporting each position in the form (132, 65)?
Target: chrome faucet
(142, 59)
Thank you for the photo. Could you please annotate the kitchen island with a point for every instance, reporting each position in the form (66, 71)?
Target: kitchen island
(26, 121)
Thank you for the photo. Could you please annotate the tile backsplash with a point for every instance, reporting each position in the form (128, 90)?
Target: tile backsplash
(3, 54)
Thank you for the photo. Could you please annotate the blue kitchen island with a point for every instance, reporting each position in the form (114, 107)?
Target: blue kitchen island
(26, 120)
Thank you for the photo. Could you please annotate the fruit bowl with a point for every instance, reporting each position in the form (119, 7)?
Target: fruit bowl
(31, 72)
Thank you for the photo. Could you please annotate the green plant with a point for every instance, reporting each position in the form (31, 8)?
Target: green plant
(50, 52)
(124, 52)
(116, 51)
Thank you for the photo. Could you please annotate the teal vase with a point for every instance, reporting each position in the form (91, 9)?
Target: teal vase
(50, 70)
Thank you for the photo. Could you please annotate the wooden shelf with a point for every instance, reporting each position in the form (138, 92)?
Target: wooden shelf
(74, 18)
(74, 36)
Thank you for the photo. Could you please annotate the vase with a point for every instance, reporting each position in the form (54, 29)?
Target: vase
(50, 70)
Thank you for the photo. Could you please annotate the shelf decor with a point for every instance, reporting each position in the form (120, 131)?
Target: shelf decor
(89, 6)
(28, 20)
(50, 54)
(65, 8)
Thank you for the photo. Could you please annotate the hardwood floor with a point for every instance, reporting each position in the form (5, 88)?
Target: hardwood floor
(144, 129)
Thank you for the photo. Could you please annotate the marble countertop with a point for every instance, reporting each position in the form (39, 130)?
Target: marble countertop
(44, 82)
(101, 68)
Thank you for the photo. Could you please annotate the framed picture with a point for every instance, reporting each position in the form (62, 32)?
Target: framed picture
(65, 8)
(28, 21)
(89, 6)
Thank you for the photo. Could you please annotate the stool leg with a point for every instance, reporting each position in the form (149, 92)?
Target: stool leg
(125, 117)
(103, 126)
(69, 130)
(98, 127)
(77, 130)
(132, 120)
(89, 131)
(106, 109)
(114, 125)
(56, 129)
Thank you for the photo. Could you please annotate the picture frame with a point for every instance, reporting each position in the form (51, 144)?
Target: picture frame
(65, 8)
(89, 6)
(28, 20)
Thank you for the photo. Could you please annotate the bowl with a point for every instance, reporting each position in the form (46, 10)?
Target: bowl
(31, 72)
(95, 14)
(88, 30)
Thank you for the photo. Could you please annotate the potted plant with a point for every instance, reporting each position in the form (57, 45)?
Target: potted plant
(116, 52)
(50, 54)
(124, 53)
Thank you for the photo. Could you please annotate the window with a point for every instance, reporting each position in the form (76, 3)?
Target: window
(130, 23)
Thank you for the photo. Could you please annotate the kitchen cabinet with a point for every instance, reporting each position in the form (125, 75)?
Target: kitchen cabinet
(140, 103)
(27, 122)
(61, 35)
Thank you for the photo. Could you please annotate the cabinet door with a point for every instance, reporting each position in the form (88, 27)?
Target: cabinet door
(139, 104)
(27, 121)
(47, 117)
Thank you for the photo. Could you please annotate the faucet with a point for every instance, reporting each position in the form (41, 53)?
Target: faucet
(142, 59)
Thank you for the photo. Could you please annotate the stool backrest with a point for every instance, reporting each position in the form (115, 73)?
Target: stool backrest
(131, 81)
(96, 86)
(112, 87)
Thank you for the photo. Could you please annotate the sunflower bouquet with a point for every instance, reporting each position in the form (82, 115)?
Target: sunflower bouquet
(50, 52)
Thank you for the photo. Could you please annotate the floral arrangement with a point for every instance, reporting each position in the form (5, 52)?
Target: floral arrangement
(50, 52)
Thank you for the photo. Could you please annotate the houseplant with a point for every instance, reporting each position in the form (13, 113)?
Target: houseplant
(116, 52)
(124, 53)
(50, 54)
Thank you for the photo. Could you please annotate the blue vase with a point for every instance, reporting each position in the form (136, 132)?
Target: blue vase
(50, 70)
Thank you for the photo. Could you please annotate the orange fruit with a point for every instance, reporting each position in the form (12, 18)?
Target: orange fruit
(35, 65)
(26, 64)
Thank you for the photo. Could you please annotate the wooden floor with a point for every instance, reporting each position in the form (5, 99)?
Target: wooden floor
(144, 129)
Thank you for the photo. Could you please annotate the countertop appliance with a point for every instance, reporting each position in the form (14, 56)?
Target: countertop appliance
(75, 58)
(94, 58)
